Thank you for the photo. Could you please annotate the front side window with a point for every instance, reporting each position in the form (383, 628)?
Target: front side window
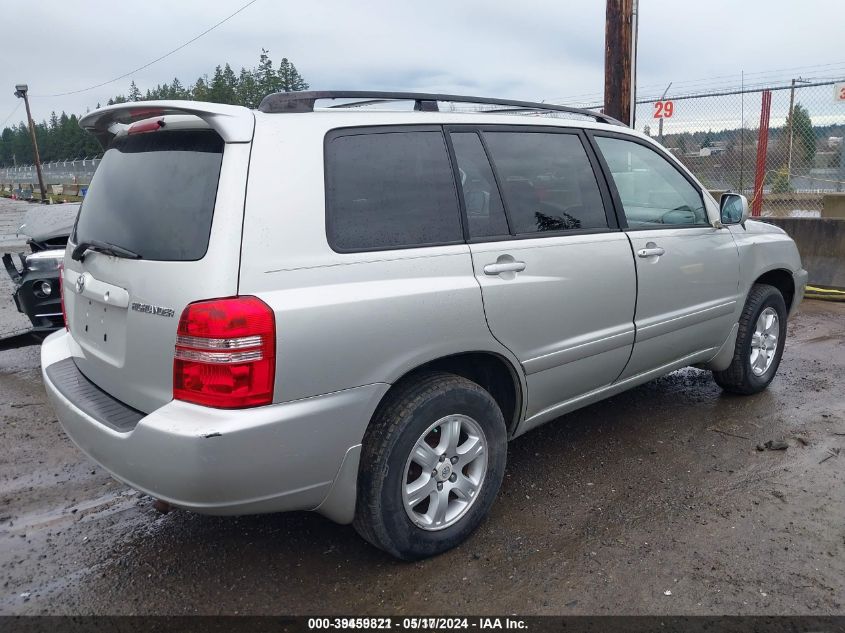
(653, 192)
(390, 190)
(547, 181)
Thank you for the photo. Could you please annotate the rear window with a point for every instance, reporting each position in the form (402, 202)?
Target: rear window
(154, 194)
(390, 190)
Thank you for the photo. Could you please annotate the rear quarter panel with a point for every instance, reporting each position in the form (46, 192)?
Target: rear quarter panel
(344, 319)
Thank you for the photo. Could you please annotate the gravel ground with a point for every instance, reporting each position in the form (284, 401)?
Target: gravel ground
(653, 502)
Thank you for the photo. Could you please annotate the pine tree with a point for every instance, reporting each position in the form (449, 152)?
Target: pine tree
(230, 83)
(216, 87)
(803, 137)
(267, 78)
(289, 78)
(200, 90)
(134, 93)
(177, 90)
(247, 92)
(223, 86)
(780, 183)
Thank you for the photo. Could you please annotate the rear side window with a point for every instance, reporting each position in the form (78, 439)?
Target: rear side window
(485, 213)
(390, 190)
(547, 181)
(154, 194)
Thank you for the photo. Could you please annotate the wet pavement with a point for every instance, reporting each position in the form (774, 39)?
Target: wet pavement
(653, 502)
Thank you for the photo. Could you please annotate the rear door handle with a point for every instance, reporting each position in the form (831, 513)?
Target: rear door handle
(651, 252)
(504, 267)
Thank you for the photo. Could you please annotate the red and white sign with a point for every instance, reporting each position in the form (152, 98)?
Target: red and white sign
(664, 109)
(839, 92)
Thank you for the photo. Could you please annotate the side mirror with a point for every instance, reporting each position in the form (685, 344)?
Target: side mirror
(733, 208)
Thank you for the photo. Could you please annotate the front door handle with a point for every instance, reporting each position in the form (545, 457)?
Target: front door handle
(504, 267)
(652, 251)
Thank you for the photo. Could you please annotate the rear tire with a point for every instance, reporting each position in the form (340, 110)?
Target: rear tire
(759, 343)
(432, 462)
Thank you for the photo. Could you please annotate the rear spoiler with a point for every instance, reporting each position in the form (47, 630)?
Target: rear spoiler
(235, 124)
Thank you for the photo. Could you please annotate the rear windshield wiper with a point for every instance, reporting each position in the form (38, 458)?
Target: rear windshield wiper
(102, 247)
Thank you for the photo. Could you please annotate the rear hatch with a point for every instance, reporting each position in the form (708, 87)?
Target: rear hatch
(159, 228)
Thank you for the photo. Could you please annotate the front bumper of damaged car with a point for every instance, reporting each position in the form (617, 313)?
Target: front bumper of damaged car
(37, 293)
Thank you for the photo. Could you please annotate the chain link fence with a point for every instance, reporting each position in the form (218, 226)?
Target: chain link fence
(61, 177)
(717, 136)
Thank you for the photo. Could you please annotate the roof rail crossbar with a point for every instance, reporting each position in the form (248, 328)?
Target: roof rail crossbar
(304, 102)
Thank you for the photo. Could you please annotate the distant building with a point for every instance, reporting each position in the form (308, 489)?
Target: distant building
(834, 141)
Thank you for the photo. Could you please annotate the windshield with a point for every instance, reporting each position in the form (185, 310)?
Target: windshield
(153, 194)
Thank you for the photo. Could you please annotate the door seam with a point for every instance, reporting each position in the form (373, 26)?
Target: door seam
(636, 305)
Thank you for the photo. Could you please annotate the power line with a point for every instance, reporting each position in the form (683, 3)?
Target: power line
(713, 83)
(687, 88)
(11, 114)
(726, 91)
(759, 74)
(746, 89)
(156, 60)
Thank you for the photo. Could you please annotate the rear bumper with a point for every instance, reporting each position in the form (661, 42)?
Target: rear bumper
(267, 459)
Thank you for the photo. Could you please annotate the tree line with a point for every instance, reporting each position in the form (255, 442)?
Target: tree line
(735, 161)
(60, 137)
(806, 137)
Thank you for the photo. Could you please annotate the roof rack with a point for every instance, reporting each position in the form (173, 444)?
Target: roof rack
(427, 102)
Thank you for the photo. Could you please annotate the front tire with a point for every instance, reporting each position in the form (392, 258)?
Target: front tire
(759, 343)
(432, 462)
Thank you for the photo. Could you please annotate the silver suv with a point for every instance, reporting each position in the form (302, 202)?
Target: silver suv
(340, 304)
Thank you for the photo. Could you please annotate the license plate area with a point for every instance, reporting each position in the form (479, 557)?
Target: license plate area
(101, 329)
(98, 318)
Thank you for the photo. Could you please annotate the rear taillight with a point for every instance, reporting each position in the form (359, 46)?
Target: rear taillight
(62, 293)
(225, 353)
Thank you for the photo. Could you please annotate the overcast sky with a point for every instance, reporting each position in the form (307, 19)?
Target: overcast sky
(524, 49)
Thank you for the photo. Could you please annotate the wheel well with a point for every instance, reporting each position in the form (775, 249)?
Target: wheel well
(782, 280)
(489, 370)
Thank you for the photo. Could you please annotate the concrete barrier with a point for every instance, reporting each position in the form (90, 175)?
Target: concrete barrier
(833, 205)
(821, 242)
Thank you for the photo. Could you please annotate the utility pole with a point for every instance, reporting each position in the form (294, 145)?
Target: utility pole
(21, 93)
(620, 59)
(792, 125)
(660, 123)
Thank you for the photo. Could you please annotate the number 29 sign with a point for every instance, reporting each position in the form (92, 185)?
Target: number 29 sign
(664, 109)
(839, 92)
